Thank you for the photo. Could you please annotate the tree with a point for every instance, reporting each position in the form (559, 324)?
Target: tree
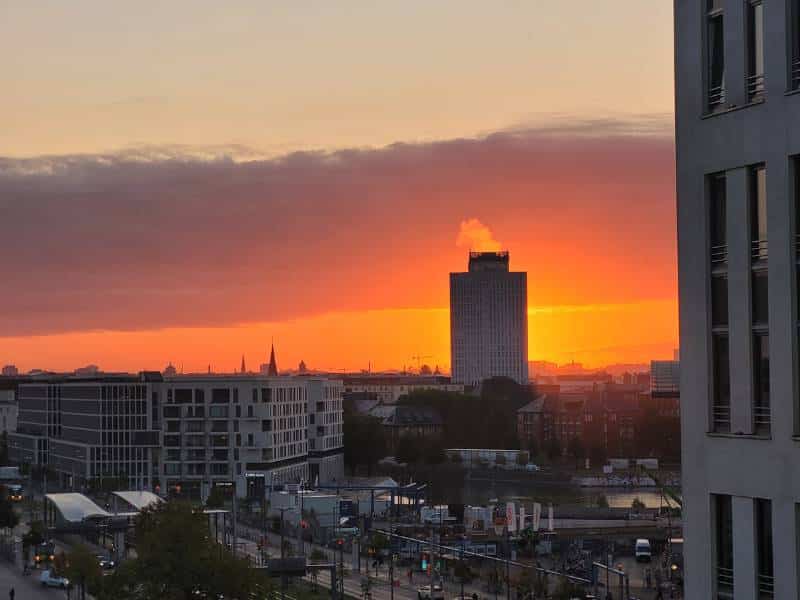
(500, 459)
(83, 569)
(433, 452)
(33, 537)
(216, 498)
(637, 504)
(576, 450)
(553, 448)
(602, 501)
(407, 450)
(8, 516)
(522, 458)
(178, 559)
(364, 441)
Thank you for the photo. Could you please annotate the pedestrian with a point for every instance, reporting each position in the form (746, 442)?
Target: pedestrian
(11, 594)
(648, 578)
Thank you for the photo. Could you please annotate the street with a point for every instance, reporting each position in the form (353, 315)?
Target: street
(27, 587)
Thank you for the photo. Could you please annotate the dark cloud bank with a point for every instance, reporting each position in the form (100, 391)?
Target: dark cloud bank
(160, 237)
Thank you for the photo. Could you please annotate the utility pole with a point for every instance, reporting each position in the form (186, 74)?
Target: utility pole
(508, 563)
(233, 500)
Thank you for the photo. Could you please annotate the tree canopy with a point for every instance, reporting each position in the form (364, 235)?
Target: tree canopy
(177, 559)
(487, 420)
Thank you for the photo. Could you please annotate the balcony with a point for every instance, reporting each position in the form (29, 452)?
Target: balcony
(762, 419)
(724, 583)
(755, 87)
(716, 98)
(721, 418)
(719, 254)
(759, 250)
(766, 586)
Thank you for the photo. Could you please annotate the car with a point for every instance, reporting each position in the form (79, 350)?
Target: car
(49, 579)
(532, 468)
(424, 592)
(105, 562)
(643, 551)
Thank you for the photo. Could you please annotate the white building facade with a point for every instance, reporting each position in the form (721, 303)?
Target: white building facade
(226, 430)
(488, 321)
(738, 142)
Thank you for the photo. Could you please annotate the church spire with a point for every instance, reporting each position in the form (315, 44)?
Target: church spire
(244, 369)
(273, 365)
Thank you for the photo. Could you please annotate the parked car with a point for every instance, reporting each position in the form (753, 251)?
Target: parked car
(424, 592)
(532, 468)
(50, 579)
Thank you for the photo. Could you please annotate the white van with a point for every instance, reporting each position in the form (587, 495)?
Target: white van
(643, 550)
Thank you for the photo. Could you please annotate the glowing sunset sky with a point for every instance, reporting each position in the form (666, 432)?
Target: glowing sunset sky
(184, 181)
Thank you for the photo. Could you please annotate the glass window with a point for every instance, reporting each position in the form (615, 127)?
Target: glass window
(758, 212)
(760, 297)
(721, 410)
(220, 395)
(766, 583)
(719, 301)
(761, 405)
(755, 49)
(723, 547)
(716, 56)
(717, 217)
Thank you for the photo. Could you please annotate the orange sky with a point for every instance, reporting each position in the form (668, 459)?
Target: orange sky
(595, 335)
(342, 258)
(223, 175)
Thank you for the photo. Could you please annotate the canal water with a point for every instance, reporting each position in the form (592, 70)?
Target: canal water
(480, 490)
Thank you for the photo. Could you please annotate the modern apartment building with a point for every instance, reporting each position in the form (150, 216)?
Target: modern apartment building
(488, 321)
(228, 429)
(90, 428)
(183, 434)
(737, 76)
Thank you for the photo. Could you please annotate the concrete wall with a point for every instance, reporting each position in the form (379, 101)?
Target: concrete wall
(744, 466)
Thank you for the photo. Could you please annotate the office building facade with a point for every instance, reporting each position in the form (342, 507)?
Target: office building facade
(183, 435)
(89, 429)
(488, 321)
(737, 75)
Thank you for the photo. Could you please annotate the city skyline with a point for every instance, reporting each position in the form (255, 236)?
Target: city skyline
(174, 237)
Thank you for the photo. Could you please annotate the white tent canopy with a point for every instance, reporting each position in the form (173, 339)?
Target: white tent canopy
(138, 499)
(76, 508)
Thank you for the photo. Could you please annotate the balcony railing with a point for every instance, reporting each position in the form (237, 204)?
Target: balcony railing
(755, 87)
(724, 583)
(721, 417)
(716, 96)
(766, 586)
(762, 417)
(719, 254)
(759, 249)
(796, 73)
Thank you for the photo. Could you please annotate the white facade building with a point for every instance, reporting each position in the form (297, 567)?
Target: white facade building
(738, 142)
(488, 321)
(223, 430)
(665, 376)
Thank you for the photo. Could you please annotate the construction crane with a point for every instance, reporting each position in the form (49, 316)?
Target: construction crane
(419, 360)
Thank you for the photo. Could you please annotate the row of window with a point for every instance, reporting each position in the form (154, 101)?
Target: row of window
(759, 294)
(715, 53)
(724, 575)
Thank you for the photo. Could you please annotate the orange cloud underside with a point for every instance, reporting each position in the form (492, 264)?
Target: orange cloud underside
(592, 334)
